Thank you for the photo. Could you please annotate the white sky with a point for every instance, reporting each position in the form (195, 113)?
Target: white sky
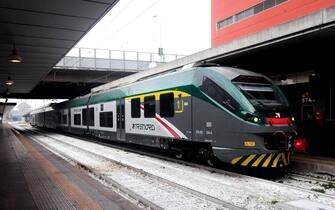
(179, 26)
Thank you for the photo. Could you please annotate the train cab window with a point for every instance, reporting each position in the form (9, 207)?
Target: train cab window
(77, 119)
(210, 88)
(166, 105)
(136, 108)
(149, 106)
(64, 119)
(106, 119)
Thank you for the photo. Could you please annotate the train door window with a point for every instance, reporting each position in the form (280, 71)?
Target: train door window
(106, 119)
(122, 117)
(101, 107)
(136, 108)
(91, 120)
(210, 88)
(166, 105)
(64, 119)
(84, 114)
(77, 120)
(58, 118)
(149, 106)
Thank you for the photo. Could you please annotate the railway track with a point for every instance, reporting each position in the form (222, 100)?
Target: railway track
(212, 177)
(131, 177)
(309, 181)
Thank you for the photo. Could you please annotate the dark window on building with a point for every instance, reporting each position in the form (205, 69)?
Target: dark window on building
(248, 12)
(244, 14)
(280, 1)
(64, 119)
(269, 3)
(106, 119)
(149, 106)
(77, 119)
(225, 22)
(136, 108)
(258, 8)
(214, 91)
(166, 105)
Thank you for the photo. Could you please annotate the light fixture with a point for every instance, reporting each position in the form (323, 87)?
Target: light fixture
(14, 58)
(9, 81)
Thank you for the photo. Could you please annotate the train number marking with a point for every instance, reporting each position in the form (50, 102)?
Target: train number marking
(180, 106)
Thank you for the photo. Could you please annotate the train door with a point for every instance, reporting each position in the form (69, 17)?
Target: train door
(120, 120)
(69, 119)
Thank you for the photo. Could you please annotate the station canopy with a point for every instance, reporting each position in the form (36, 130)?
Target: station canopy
(41, 32)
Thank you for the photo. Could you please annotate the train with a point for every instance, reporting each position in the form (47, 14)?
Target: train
(218, 114)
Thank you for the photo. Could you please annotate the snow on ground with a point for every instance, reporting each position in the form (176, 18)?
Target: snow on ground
(242, 191)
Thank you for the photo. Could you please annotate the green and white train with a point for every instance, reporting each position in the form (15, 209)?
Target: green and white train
(217, 113)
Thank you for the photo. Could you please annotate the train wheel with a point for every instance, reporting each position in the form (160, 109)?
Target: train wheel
(210, 162)
(207, 156)
(179, 155)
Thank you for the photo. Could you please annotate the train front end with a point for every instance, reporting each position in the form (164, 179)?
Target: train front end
(259, 128)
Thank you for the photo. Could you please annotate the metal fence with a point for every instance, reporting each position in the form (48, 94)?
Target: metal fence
(100, 59)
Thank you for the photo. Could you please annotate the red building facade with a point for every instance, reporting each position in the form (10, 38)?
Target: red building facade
(232, 19)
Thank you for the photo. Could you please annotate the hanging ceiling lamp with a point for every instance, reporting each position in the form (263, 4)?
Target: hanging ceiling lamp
(9, 81)
(15, 57)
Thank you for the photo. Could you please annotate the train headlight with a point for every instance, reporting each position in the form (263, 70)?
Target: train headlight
(292, 119)
(252, 118)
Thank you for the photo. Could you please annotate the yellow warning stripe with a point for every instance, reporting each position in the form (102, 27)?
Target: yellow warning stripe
(267, 161)
(247, 161)
(279, 159)
(284, 158)
(235, 160)
(259, 159)
(275, 162)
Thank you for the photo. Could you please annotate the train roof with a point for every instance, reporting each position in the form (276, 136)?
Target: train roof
(168, 79)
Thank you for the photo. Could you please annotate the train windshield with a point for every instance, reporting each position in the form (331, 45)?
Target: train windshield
(260, 92)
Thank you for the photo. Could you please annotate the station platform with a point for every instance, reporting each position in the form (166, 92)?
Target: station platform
(305, 162)
(32, 177)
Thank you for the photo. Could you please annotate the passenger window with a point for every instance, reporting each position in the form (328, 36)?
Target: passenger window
(219, 95)
(166, 105)
(135, 108)
(149, 106)
(106, 119)
(77, 119)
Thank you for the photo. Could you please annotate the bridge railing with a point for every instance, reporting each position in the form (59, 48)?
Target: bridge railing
(101, 59)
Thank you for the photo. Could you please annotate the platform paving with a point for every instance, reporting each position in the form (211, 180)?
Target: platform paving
(32, 177)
